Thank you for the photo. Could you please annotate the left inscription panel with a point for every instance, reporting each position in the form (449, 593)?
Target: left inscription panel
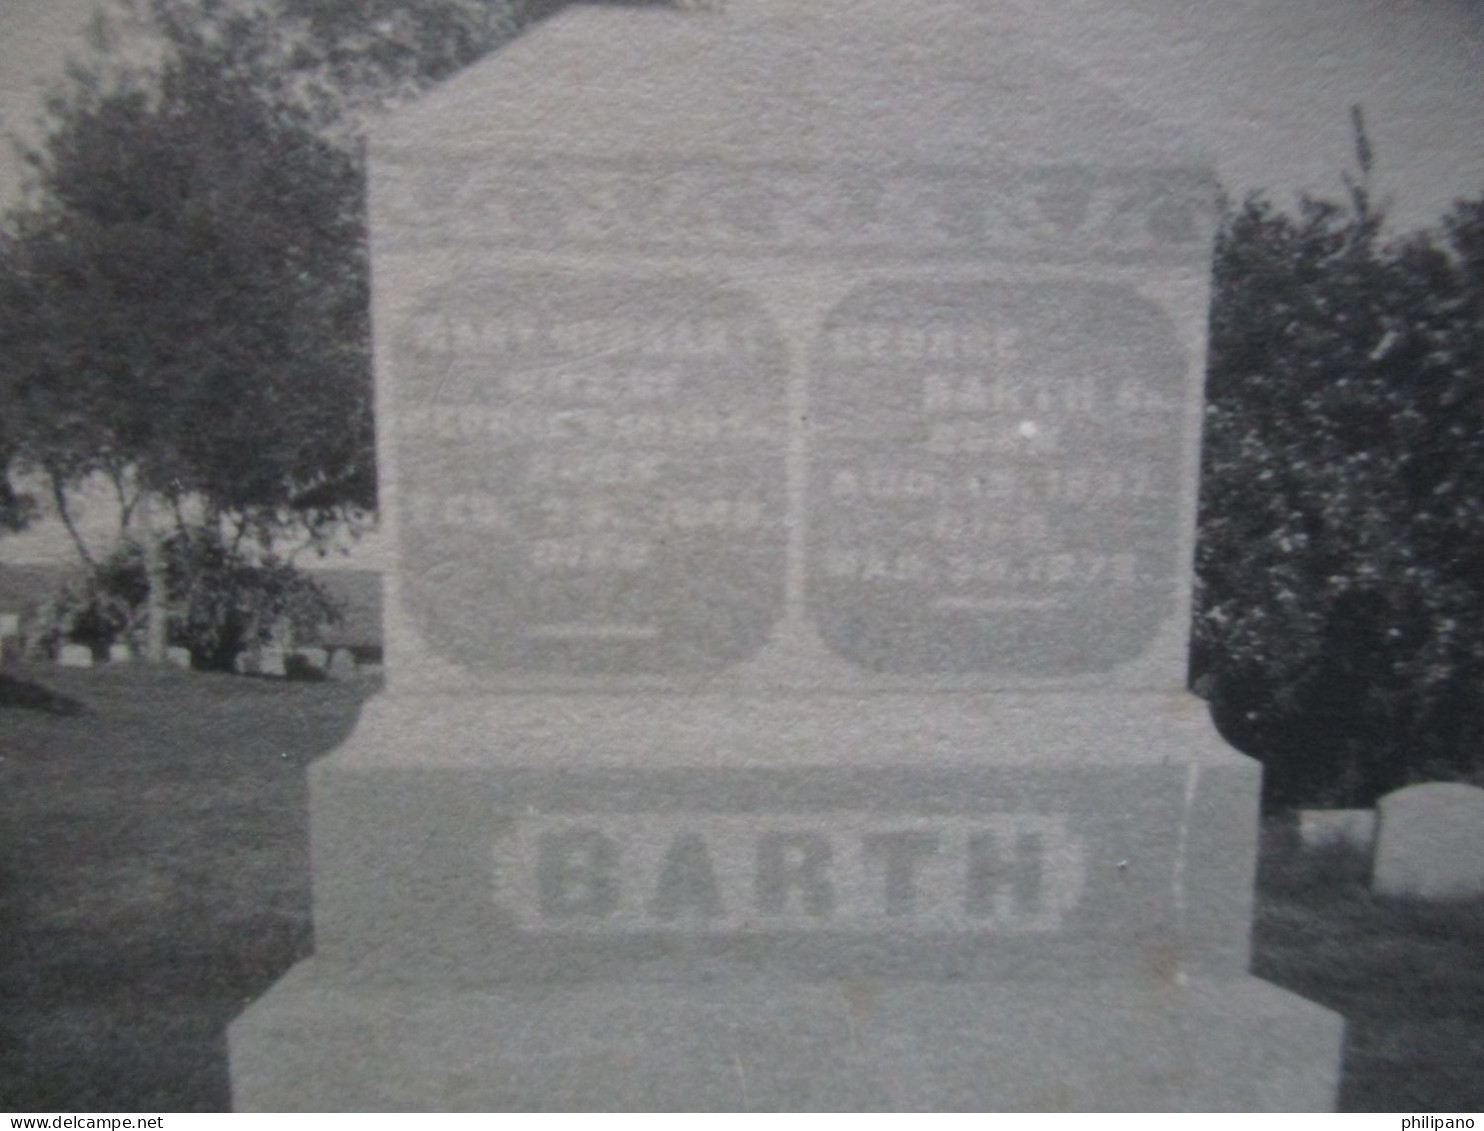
(591, 472)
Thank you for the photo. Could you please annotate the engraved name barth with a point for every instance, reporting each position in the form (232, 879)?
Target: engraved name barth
(844, 871)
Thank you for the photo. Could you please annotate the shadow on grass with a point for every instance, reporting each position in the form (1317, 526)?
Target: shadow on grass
(25, 695)
(154, 879)
(1408, 975)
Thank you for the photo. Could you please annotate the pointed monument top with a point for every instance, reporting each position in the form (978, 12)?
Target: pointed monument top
(932, 81)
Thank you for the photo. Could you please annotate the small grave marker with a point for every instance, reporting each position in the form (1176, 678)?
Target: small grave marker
(75, 656)
(1430, 842)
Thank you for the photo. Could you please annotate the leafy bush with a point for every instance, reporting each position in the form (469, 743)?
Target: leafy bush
(227, 603)
(219, 601)
(1339, 632)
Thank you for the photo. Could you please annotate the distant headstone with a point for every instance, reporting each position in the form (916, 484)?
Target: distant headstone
(245, 662)
(178, 657)
(75, 656)
(342, 663)
(791, 440)
(1430, 842)
(270, 661)
(120, 654)
(10, 625)
(1354, 828)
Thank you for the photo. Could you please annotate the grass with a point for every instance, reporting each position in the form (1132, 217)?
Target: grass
(29, 695)
(1408, 975)
(154, 880)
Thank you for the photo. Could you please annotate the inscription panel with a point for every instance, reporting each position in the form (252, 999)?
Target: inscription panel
(591, 473)
(995, 481)
(1007, 872)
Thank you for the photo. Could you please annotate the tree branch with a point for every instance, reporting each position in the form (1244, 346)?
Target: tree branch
(117, 475)
(241, 521)
(64, 512)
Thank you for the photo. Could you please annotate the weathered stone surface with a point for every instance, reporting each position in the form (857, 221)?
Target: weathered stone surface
(270, 661)
(654, 422)
(1430, 842)
(120, 654)
(789, 439)
(178, 657)
(614, 500)
(1019, 837)
(745, 1043)
(993, 488)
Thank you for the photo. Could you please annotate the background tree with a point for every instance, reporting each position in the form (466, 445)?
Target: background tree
(186, 311)
(185, 289)
(1340, 632)
(17, 508)
(336, 58)
(187, 298)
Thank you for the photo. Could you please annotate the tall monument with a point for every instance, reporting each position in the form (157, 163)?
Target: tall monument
(789, 423)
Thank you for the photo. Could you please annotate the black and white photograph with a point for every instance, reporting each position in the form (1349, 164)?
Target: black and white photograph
(742, 556)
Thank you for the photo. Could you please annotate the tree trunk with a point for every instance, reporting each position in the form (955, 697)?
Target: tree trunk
(154, 576)
(64, 512)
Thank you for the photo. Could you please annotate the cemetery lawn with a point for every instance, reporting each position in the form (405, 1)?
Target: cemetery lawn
(1407, 975)
(154, 879)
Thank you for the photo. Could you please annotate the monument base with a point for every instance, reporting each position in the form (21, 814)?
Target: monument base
(965, 902)
(316, 1043)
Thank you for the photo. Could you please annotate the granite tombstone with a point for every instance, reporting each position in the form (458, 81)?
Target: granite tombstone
(789, 425)
(1430, 842)
(75, 656)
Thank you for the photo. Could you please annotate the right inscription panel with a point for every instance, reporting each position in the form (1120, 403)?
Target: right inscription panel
(995, 483)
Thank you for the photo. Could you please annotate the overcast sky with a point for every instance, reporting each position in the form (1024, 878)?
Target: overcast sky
(1265, 85)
